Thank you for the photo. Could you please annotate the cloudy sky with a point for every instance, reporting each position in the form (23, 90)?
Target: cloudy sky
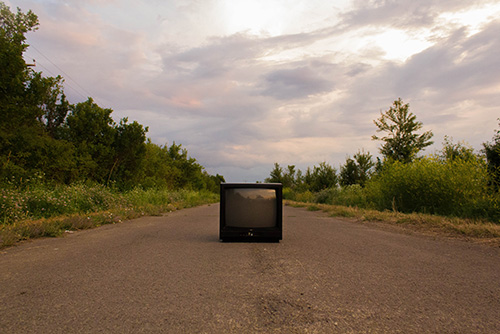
(243, 84)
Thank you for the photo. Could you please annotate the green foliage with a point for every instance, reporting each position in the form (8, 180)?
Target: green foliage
(48, 103)
(320, 177)
(187, 173)
(35, 200)
(461, 150)
(276, 175)
(32, 199)
(401, 143)
(348, 173)
(351, 195)
(13, 70)
(291, 178)
(130, 150)
(492, 151)
(30, 208)
(170, 167)
(299, 196)
(33, 107)
(92, 131)
(212, 182)
(357, 170)
(430, 185)
(451, 183)
(305, 196)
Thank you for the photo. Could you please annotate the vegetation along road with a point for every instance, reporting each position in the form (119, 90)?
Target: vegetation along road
(170, 274)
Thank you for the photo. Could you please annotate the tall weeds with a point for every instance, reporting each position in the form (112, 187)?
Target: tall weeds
(33, 209)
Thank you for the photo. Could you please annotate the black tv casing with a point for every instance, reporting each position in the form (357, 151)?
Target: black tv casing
(265, 234)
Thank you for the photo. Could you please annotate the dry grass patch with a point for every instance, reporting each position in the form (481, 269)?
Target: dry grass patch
(478, 230)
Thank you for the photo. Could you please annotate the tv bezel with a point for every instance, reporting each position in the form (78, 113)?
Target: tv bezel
(270, 234)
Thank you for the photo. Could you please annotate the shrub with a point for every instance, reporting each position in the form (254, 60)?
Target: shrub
(299, 196)
(353, 195)
(325, 196)
(429, 185)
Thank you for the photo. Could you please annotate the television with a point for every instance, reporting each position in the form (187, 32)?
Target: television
(251, 212)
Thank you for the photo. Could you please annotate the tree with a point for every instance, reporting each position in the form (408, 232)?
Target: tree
(129, 149)
(47, 95)
(357, 170)
(401, 142)
(187, 173)
(276, 175)
(492, 151)
(92, 130)
(13, 69)
(365, 166)
(170, 167)
(321, 177)
(31, 107)
(348, 173)
(457, 151)
(14, 73)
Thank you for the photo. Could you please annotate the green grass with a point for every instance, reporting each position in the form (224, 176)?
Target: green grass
(41, 211)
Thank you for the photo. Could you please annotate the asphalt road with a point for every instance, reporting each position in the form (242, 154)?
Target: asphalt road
(170, 274)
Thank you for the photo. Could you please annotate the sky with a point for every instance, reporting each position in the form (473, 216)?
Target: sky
(246, 84)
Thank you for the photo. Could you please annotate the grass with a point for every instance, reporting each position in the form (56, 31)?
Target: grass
(42, 211)
(478, 230)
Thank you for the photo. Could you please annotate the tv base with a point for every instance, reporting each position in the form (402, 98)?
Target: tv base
(250, 239)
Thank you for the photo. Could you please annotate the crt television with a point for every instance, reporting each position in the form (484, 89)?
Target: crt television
(251, 212)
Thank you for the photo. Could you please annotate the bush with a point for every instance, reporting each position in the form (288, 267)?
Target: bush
(325, 196)
(353, 195)
(299, 196)
(429, 185)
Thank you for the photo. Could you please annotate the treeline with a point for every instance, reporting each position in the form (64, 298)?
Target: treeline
(43, 135)
(456, 181)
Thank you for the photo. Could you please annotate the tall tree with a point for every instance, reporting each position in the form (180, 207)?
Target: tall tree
(92, 130)
(32, 107)
(276, 175)
(186, 171)
(321, 177)
(401, 142)
(348, 173)
(47, 95)
(14, 74)
(289, 177)
(130, 149)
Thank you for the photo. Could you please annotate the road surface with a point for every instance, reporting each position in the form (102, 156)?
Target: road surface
(170, 274)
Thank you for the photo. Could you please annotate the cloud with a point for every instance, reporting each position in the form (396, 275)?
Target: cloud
(404, 13)
(297, 82)
(241, 101)
(460, 66)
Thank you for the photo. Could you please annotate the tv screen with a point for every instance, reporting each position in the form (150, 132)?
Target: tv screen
(251, 211)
